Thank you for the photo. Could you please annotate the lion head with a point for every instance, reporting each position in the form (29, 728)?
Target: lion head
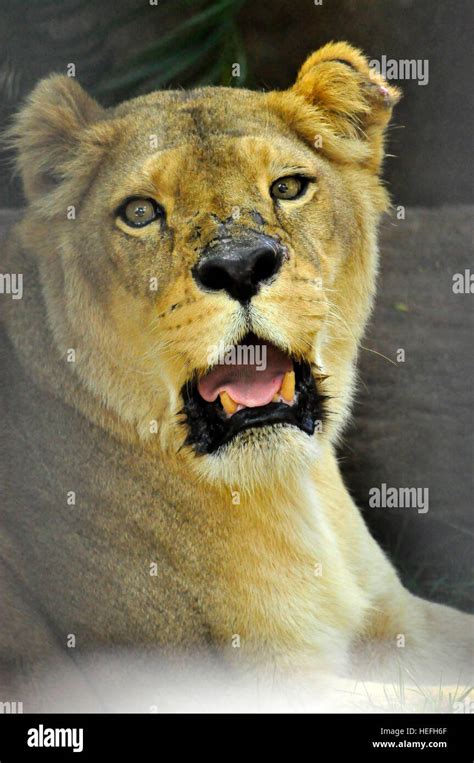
(211, 255)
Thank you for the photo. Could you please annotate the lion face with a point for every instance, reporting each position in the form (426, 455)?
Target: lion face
(215, 251)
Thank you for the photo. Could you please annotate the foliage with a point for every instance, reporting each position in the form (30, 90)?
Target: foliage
(199, 50)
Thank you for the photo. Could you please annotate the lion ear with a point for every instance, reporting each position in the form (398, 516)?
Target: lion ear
(47, 132)
(355, 100)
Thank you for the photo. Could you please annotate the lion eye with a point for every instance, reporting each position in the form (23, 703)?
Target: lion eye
(289, 188)
(139, 212)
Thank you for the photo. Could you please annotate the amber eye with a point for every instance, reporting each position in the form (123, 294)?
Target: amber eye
(139, 212)
(289, 188)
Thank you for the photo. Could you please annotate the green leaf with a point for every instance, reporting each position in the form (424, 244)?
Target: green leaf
(401, 307)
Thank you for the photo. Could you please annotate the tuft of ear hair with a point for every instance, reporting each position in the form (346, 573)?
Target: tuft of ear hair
(348, 98)
(56, 135)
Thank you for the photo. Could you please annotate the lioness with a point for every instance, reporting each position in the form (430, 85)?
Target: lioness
(198, 270)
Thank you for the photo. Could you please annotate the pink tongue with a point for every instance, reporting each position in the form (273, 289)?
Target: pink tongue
(252, 384)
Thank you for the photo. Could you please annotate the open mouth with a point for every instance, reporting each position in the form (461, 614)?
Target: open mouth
(254, 384)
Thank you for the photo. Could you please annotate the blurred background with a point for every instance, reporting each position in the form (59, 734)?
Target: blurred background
(412, 423)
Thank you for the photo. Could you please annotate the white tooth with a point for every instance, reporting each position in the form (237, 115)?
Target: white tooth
(229, 405)
(287, 389)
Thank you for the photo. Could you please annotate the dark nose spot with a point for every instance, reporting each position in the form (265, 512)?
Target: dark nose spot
(239, 268)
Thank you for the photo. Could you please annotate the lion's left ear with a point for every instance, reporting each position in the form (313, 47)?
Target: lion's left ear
(354, 99)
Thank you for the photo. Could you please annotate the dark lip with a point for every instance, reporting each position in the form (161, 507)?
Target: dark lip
(208, 427)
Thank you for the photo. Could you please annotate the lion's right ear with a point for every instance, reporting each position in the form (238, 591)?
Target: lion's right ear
(48, 131)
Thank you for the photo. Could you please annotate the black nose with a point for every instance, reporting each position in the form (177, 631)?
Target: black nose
(239, 268)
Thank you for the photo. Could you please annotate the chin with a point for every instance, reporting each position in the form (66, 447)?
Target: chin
(260, 459)
(251, 426)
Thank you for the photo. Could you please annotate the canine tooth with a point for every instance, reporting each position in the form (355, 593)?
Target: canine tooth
(287, 389)
(229, 405)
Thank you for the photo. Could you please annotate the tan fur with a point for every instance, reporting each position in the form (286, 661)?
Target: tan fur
(224, 569)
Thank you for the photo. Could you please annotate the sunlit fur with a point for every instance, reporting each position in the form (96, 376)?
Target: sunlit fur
(209, 157)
